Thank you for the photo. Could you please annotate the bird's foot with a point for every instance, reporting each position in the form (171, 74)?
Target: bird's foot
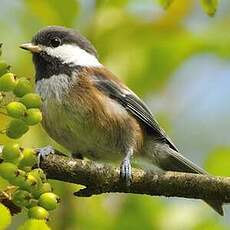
(126, 172)
(126, 169)
(44, 152)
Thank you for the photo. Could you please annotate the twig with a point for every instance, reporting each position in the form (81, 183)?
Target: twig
(103, 178)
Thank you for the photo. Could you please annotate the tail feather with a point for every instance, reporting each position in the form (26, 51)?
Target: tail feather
(174, 161)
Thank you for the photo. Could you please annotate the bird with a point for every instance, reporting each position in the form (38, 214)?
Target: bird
(92, 113)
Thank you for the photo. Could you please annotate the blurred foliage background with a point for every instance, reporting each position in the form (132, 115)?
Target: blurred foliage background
(177, 60)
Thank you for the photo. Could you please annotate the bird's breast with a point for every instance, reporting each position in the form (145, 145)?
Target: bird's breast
(83, 120)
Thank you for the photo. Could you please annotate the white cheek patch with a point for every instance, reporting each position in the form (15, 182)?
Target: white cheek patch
(72, 54)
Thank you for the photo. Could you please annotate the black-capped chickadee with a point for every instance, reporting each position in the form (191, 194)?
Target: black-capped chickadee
(90, 111)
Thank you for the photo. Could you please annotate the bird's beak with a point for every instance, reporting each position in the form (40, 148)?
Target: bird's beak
(30, 47)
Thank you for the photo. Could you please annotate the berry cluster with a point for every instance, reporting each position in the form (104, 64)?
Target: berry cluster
(31, 189)
(25, 109)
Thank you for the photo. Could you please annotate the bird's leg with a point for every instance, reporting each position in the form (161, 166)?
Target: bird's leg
(126, 169)
(43, 152)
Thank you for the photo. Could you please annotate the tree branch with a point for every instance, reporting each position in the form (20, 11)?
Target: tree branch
(103, 178)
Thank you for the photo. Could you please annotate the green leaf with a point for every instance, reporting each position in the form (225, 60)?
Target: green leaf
(5, 217)
(33, 224)
(209, 6)
(166, 3)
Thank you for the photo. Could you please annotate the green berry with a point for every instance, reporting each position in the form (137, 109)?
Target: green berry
(30, 184)
(11, 152)
(4, 67)
(34, 175)
(31, 100)
(38, 212)
(7, 82)
(16, 129)
(49, 201)
(5, 217)
(32, 116)
(16, 109)
(44, 188)
(33, 224)
(21, 198)
(23, 87)
(8, 170)
(35, 181)
(31, 180)
(28, 157)
(20, 179)
(39, 174)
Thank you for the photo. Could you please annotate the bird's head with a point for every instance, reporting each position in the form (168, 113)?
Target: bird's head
(58, 50)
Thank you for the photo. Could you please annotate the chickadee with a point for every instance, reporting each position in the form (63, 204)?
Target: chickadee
(90, 111)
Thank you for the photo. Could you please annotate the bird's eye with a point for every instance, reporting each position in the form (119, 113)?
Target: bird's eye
(55, 42)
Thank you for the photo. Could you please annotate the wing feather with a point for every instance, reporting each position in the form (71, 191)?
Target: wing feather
(133, 104)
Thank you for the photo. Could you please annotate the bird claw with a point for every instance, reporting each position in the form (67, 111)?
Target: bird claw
(43, 152)
(126, 171)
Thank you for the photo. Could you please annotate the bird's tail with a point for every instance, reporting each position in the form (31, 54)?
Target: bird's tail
(170, 160)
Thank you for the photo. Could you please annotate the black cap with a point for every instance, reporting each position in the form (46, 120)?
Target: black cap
(65, 35)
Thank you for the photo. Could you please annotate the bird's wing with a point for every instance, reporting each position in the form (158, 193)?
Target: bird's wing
(133, 104)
